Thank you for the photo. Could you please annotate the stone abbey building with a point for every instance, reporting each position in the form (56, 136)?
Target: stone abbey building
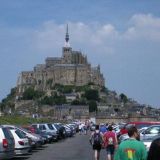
(72, 68)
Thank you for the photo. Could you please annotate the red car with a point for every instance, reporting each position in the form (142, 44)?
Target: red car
(140, 125)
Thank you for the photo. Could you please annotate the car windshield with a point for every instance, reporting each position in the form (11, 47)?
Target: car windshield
(34, 126)
(7, 133)
(57, 126)
(23, 129)
(50, 127)
(38, 131)
(20, 134)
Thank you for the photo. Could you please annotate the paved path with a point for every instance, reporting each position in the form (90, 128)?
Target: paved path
(76, 148)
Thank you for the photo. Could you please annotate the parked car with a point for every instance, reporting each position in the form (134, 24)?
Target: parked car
(140, 125)
(35, 140)
(76, 126)
(72, 128)
(150, 132)
(46, 136)
(47, 127)
(36, 131)
(145, 133)
(147, 141)
(69, 132)
(60, 130)
(7, 143)
(142, 129)
(21, 142)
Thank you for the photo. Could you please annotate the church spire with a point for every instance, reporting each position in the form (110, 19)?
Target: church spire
(67, 38)
(67, 35)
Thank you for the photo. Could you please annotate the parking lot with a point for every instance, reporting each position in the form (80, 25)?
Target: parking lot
(47, 141)
(74, 148)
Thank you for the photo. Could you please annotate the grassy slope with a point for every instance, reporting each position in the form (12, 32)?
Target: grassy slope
(21, 120)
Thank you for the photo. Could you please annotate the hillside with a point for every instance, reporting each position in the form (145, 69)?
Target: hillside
(98, 99)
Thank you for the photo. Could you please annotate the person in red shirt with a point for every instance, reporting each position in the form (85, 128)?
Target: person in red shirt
(110, 140)
(123, 131)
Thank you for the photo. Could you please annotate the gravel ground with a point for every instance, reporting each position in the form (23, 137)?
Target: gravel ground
(75, 148)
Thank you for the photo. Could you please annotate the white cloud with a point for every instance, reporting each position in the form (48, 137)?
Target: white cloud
(145, 27)
(51, 35)
(146, 20)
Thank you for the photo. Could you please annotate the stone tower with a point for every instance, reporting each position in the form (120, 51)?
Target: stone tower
(67, 50)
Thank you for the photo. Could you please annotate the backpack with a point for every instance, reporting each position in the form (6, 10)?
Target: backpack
(97, 139)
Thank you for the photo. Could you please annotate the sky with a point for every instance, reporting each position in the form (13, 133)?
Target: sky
(123, 36)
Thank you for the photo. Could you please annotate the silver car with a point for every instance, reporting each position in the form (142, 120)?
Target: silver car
(150, 132)
(7, 143)
(147, 141)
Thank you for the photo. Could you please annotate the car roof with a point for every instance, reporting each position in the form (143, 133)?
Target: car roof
(145, 122)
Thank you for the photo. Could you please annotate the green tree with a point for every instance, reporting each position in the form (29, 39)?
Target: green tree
(49, 82)
(68, 89)
(61, 99)
(80, 101)
(9, 100)
(123, 98)
(92, 94)
(30, 94)
(2, 107)
(58, 87)
(75, 102)
(92, 106)
(47, 100)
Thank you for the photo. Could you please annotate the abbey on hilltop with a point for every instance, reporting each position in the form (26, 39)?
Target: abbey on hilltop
(70, 69)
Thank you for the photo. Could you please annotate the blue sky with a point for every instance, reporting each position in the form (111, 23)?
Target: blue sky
(123, 36)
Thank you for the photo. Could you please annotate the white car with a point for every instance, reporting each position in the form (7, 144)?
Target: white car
(147, 142)
(21, 142)
(150, 132)
(36, 140)
(6, 144)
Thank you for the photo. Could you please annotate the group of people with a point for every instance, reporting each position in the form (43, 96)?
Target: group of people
(104, 138)
(83, 127)
(130, 149)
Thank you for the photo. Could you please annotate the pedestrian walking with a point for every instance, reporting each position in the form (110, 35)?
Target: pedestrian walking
(96, 141)
(85, 129)
(154, 150)
(103, 128)
(131, 149)
(110, 142)
(123, 130)
(81, 128)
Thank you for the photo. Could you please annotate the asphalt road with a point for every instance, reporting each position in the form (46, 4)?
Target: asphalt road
(76, 148)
